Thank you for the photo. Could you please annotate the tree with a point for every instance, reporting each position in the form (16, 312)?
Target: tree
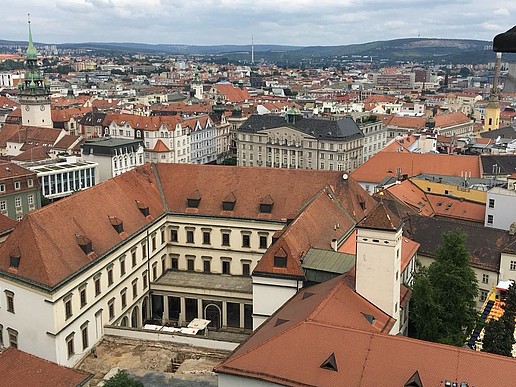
(122, 379)
(443, 300)
(499, 334)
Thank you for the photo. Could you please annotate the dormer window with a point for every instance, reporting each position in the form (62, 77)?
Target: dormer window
(84, 243)
(17, 185)
(280, 258)
(330, 363)
(117, 224)
(266, 204)
(144, 209)
(228, 204)
(194, 199)
(14, 259)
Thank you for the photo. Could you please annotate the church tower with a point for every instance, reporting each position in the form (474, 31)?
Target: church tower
(197, 88)
(34, 92)
(492, 115)
(378, 261)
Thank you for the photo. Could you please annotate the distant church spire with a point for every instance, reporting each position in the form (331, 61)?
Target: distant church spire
(252, 49)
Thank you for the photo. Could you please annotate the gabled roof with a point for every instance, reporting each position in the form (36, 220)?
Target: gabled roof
(385, 164)
(330, 321)
(20, 369)
(380, 218)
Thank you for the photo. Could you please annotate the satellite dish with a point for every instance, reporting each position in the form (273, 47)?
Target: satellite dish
(345, 176)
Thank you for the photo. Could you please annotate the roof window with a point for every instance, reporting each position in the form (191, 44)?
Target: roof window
(194, 199)
(228, 203)
(266, 204)
(330, 363)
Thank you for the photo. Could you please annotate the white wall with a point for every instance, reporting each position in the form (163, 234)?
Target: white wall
(269, 294)
(225, 380)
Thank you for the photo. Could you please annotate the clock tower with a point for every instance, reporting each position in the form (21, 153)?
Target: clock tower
(34, 92)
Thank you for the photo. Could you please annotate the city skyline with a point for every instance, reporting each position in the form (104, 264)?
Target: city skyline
(214, 22)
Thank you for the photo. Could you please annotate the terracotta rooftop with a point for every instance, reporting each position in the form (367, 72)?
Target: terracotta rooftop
(381, 218)
(20, 369)
(322, 337)
(50, 253)
(385, 164)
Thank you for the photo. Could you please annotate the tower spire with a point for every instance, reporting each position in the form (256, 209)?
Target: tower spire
(252, 49)
(32, 54)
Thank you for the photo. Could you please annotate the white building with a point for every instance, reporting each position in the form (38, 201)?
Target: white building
(501, 209)
(113, 156)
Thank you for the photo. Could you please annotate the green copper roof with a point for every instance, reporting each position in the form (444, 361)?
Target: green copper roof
(32, 54)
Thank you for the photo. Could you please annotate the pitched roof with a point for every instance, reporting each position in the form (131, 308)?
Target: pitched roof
(20, 369)
(342, 129)
(484, 243)
(385, 164)
(50, 252)
(294, 345)
(380, 218)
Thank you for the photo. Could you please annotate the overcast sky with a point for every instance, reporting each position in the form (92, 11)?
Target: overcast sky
(291, 22)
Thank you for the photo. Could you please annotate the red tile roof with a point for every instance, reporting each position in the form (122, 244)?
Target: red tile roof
(381, 218)
(291, 347)
(20, 369)
(232, 94)
(385, 164)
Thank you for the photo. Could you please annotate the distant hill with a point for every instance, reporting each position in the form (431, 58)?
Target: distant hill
(388, 52)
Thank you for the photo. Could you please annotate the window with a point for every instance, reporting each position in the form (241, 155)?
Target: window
(173, 235)
(246, 268)
(190, 263)
(483, 295)
(153, 242)
(30, 182)
(154, 271)
(144, 250)
(122, 266)
(68, 307)
(175, 262)
(162, 234)
(84, 335)
(123, 298)
(512, 266)
(82, 296)
(2, 187)
(206, 238)
(13, 337)
(491, 203)
(110, 275)
(144, 279)
(10, 301)
(96, 281)
(489, 219)
(111, 308)
(225, 239)
(17, 185)
(263, 241)
(133, 258)
(189, 236)
(3, 206)
(206, 265)
(134, 284)
(17, 201)
(226, 267)
(163, 264)
(485, 278)
(246, 240)
(69, 345)
(280, 261)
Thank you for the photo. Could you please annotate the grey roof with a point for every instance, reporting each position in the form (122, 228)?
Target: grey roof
(320, 265)
(193, 280)
(459, 181)
(343, 129)
(506, 132)
(107, 145)
(506, 164)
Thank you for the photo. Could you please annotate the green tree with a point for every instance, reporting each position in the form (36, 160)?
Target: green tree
(443, 300)
(122, 379)
(499, 334)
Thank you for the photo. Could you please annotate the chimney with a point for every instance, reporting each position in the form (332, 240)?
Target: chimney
(334, 244)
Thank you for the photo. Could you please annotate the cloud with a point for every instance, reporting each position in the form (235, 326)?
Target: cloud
(296, 22)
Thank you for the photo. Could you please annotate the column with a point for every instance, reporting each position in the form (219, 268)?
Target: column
(200, 313)
(224, 314)
(182, 311)
(242, 321)
(165, 309)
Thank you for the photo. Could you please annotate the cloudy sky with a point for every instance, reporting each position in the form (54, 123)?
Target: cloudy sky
(291, 22)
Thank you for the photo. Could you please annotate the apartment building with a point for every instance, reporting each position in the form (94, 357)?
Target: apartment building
(297, 142)
(19, 191)
(375, 134)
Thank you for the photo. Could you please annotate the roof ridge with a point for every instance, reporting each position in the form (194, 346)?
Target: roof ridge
(160, 187)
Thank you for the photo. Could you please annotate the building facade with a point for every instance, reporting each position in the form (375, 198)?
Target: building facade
(300, 143)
